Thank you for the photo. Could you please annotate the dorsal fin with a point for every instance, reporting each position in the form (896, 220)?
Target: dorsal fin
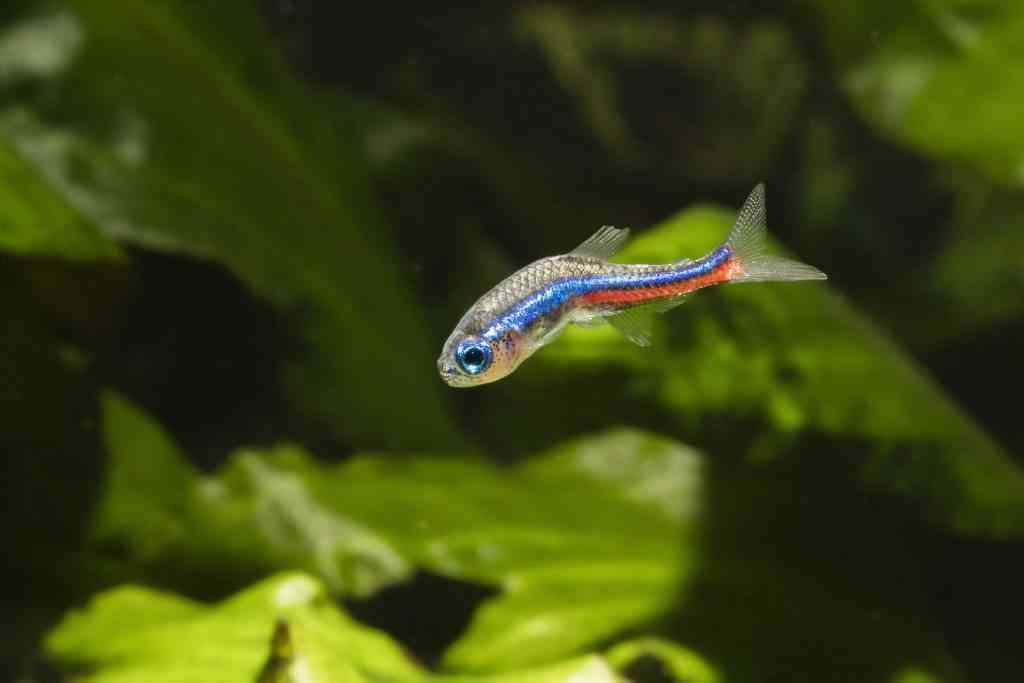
(604, 243)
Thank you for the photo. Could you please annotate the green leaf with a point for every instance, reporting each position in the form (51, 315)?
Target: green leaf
(914, 675)
(214, 150)
(584, 542)
(601, 535)
(282, 629)
(35, 222)
(978, 276)
(947, 79)
(160, 515)
(943, 77)
(594, 537)
(791, 360)
(149, 504)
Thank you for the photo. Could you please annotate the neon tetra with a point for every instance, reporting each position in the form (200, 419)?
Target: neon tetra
(531, 307)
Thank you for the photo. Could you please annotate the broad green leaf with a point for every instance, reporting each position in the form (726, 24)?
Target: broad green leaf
(149, 492)
(953, 278)
(584, 543)
(34, 221)
(158, 514)
(790, 360)
(181, 130)
(943, 76)
(943, 80)
(282, 629)
(601, 535)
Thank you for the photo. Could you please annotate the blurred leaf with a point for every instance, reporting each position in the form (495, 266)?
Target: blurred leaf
(34, 221)
(748, 81)
(584, 543)
(597, 536)
(968, 291)
(137, 634)
(788, 360)
(159, 139)
(944, 77)
(144, 500)
(913, 675)
(979, 275)
(683, 664)
(158, 514)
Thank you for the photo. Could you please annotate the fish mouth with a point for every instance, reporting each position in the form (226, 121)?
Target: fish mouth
(447, 372)
(452, 377)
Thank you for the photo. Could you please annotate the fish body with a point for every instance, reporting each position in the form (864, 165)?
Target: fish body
(531, 307)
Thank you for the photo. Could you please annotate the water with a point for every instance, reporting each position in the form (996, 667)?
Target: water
(234, 238)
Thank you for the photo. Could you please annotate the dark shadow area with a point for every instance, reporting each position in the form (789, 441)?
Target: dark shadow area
(799, 563)
(976, 369)
(978, 594)
(50, 464)
(425, 614)
(194, 346)
(648, 669)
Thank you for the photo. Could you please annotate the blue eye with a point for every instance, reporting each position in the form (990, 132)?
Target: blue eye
(473, 356)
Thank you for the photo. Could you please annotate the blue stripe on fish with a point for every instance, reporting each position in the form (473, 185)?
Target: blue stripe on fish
(553, 296)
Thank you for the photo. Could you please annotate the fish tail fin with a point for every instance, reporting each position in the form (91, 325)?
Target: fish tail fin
(747, 241)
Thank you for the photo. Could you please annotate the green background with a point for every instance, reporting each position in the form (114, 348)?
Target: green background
(234, 235)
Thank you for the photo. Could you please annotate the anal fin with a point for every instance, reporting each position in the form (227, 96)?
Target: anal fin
(590, 321)
(636, 323)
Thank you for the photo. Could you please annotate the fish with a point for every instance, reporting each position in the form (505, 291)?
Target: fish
(530, 308)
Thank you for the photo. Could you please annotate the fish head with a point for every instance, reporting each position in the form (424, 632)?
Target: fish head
(471, 357)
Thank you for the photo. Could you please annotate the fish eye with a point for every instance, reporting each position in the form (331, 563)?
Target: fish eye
(473, 356)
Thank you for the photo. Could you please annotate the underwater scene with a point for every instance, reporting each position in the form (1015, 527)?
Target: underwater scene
(529, 342)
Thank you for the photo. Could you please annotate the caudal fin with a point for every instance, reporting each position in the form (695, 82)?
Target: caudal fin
(747, 241)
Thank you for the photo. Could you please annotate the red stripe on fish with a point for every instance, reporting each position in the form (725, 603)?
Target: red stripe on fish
(631, 296)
